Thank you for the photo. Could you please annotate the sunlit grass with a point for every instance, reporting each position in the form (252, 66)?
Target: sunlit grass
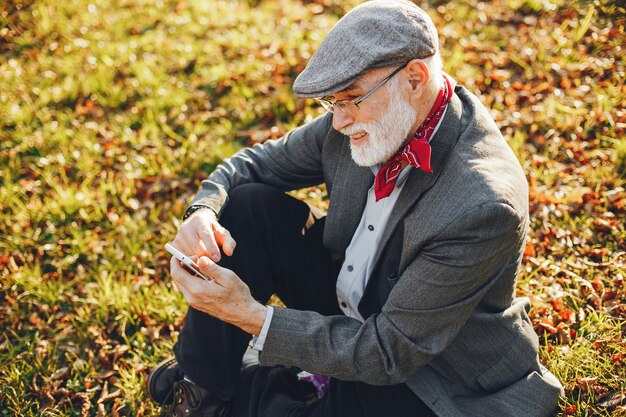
(586, 363)
(112, 112)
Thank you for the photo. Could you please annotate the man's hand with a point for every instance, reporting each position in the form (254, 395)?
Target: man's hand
(226, 297)
(202, 235)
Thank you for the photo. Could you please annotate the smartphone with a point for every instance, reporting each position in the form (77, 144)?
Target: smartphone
(188, 264)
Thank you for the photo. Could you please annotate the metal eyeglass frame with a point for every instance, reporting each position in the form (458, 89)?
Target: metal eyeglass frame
(330, 105)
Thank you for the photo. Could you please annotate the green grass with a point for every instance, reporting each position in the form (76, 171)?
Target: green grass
(112, 112)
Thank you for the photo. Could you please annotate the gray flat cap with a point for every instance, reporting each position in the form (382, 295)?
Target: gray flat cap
(376, 34)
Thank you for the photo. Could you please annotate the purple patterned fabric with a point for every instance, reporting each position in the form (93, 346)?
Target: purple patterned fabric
(320, 382)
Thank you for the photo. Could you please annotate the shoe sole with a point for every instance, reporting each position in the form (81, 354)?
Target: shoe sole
(158, 370)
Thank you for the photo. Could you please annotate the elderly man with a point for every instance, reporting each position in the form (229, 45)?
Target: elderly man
(403, 296)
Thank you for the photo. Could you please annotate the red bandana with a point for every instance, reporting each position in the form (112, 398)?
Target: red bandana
(417, 151)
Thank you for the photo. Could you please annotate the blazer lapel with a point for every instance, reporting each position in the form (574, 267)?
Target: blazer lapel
(347, 202)
(419, 181)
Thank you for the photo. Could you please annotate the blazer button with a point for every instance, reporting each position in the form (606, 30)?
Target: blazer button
(371, 228)
(350, 268)
(343, 304)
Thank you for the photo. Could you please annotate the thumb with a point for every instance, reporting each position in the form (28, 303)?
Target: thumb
(212, 270)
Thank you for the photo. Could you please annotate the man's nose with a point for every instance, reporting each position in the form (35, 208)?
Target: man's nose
(341, 119)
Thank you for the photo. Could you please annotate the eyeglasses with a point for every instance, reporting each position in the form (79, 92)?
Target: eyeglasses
(352, 106)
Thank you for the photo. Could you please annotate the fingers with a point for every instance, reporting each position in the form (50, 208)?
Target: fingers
(225, 239)
(187, 240)
(202, 235)
(197, 234)
(182, 278)
(196, 291)
(207, 237)
(202, 250)
(225, 297)
(179, 280)
(212, 236)
(203, 222)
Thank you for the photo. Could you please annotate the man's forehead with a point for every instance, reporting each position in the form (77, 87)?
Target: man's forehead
(353, 89)
(357, 87)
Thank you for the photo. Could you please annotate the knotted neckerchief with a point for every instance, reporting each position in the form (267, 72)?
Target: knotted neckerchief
(417, 151)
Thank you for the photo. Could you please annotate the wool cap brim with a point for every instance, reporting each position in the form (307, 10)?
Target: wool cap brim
(375, 34)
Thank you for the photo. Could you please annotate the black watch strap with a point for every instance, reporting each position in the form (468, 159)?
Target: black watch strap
(195, 207)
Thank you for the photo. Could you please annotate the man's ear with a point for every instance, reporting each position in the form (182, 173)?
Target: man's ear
(418, 73)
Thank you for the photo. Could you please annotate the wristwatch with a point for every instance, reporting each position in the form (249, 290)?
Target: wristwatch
(195, 207)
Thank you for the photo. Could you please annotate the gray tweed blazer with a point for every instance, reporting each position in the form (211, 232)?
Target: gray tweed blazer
(440, 306)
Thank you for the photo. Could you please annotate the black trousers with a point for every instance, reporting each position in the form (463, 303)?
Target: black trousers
(274, 256)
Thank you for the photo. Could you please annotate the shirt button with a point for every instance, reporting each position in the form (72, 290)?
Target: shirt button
(343, 304)
(350, 268)
(370, 227)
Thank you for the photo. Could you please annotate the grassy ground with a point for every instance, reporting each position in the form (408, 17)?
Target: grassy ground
(111, 112)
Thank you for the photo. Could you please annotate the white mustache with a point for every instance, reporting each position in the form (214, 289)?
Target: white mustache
(349, 131)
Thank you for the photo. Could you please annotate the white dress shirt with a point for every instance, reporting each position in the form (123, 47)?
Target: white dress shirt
(359, 261)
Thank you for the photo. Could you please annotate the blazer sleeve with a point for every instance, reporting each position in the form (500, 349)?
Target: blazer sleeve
(425, 310)
(291, 162)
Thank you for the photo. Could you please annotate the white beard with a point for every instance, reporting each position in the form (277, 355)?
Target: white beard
(385, 135)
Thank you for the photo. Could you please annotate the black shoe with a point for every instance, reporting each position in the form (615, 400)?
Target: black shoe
(186, 399)
(162, 379)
